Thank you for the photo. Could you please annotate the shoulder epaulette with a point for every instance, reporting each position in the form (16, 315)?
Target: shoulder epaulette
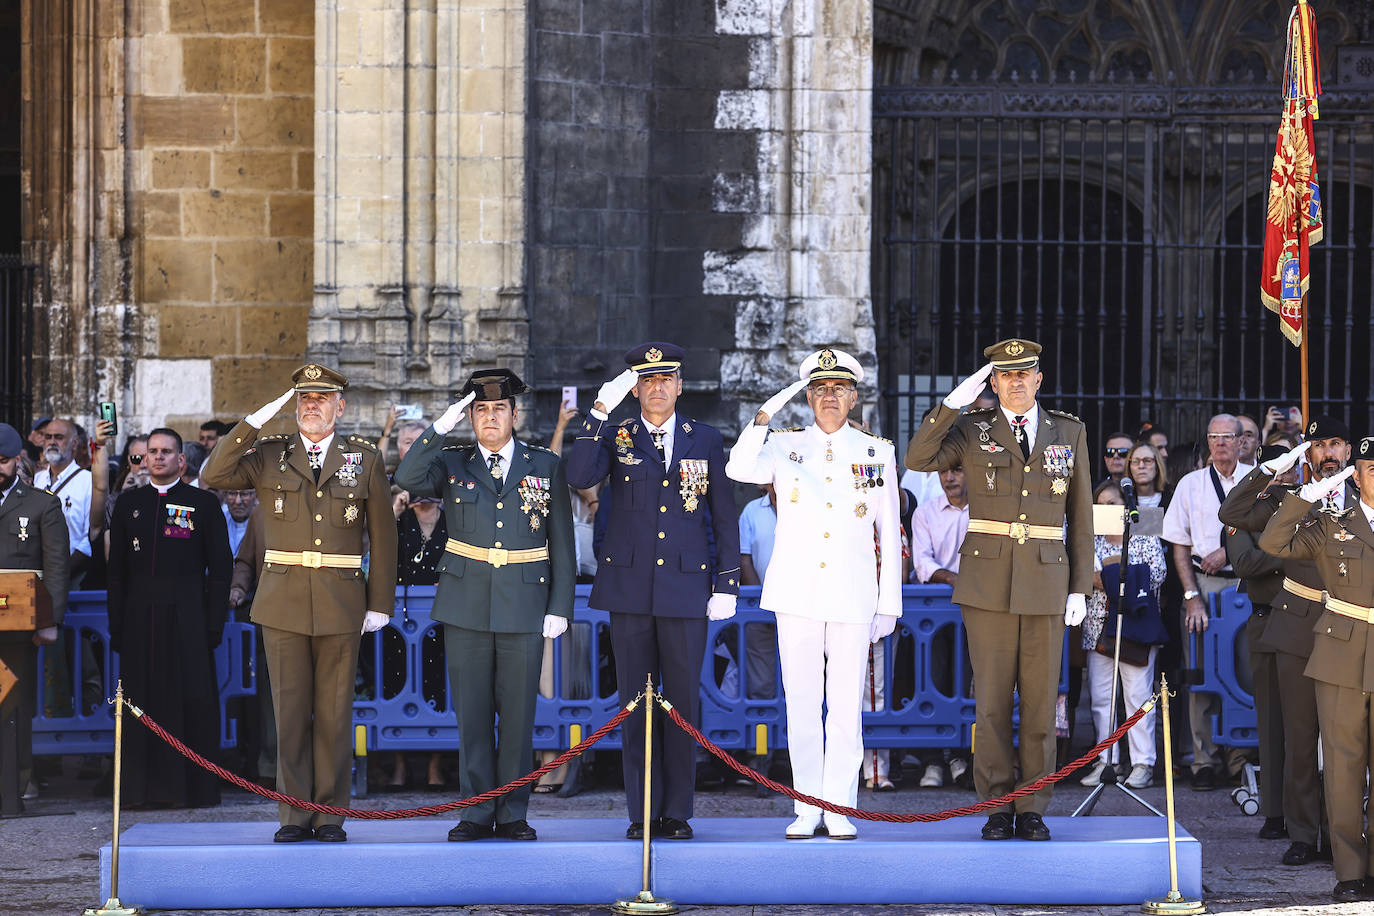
(626, 422)
(875, 436)
(980, 410)
(538, 448)
(787, 429)
(277, 438)
(456, 448)
(365, 443)
(1065, 414)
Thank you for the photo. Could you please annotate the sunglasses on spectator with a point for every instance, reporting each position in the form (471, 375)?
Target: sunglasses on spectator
(1118, 452)
(135, 459)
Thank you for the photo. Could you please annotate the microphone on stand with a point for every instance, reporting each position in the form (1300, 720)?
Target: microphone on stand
(1132, 505)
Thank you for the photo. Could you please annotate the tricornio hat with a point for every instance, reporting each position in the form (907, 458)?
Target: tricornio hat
(493, 385)
(831, 364)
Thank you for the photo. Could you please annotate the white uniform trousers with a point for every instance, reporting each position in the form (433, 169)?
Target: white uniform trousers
(824, 662)
(1136, 686)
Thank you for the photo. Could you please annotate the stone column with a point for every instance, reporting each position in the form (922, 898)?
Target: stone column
(802, 272)
(420, 229)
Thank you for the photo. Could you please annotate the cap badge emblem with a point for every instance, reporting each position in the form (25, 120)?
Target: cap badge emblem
(1015, 348)
(827, 360)
(313, 372)
(653, 355)
(1312, 430)
(1364, 447)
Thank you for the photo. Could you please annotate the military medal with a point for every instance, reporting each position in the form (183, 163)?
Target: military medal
(992, 480)
(1060, 486)
(23, 528)
(861, 510)
(793, 456)
(829, 455)
(279, 505)
(1341, 567)
(348, 474)
(983, 431)
(137, 546)
(535, 493)
(694, 474)
(350, 513)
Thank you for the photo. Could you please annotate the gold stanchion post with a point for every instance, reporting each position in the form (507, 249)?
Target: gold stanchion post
(112, 906)
(644, 902)
(1174, 903)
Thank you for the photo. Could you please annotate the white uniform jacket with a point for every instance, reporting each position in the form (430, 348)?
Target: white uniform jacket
(824, 564)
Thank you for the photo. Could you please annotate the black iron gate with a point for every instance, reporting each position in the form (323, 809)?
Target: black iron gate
(16, 341)
(1121, 227)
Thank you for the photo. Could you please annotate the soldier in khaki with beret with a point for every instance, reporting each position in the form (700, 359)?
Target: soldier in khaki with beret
(320, 493)
(1341, 542)
(1021, 577)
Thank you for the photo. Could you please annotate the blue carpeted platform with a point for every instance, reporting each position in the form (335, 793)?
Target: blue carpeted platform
(1099, 860)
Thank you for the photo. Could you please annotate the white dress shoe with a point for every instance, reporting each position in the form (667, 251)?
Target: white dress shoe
(839, 827)
(804, 827)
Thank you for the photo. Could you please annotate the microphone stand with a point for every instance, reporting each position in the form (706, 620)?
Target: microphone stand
(1130, 513)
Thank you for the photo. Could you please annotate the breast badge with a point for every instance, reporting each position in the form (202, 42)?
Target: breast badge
(867, 476)
(1059, 460)
(179, 523)
(352, 464)
(279, 505)
(695, 476)
(1342, 535)
(138, 548)
(623, 444)
(23, 527)
(992, 480)
(1060, 485)
(350, 513)
(535, 493)
(861, 509)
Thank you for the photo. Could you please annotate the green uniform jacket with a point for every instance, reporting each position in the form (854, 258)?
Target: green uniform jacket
(33, 535)
(473, 594)
(995, 572)
(1343, 547)
(329, 516)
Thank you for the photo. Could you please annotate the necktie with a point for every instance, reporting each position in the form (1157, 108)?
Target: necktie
(658, 444)
(494, 465)
(316, 460)
(1022, 439)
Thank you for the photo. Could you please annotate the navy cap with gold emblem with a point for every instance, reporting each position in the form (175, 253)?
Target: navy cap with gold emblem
(1326, 428)
(314, 377)
(831, 364)
(655, 358)
(11, 444)
(1015, 353)
(493, 385)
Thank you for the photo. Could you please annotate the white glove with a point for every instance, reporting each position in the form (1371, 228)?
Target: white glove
(554, 626)
(1276, 466)
(45, 637)
(613, 392)
(444, 425)
(720, 607)
(882, 625)
(374, 621)
(968, 390)
(1075, 609)
(1318, 490)
(776, 402)
(257, 418)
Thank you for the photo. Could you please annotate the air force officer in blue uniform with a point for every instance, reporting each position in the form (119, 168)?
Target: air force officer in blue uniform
(657, 574)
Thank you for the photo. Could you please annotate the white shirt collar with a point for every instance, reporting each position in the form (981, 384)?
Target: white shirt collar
(1032, 417)
(162, 489)
(942, 503)
(669, 425)
(1367, 510)
(323, 444)
(507, 452)
(72, 468)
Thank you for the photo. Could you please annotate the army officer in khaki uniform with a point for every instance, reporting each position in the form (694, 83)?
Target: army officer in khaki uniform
(505, 583)
(320, 492)
(1021, 576)
(1341, 542)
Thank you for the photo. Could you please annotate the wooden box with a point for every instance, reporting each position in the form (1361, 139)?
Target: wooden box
(24, 601)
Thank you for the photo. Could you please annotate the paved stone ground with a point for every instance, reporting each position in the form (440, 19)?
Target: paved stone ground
(48, 861)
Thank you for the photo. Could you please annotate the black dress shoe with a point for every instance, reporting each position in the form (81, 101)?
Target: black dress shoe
(516, 830)
(1348, 892)
(1204, 780)
(998, 827)
(635, 831)
(1031, 826)
(467, 830)
(331, 833)
(1299, 853)
(670, 828)
(293, 833)
(1273, 828)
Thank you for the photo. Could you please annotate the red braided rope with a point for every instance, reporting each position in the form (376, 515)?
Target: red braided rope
(921, 818)
(398, 814)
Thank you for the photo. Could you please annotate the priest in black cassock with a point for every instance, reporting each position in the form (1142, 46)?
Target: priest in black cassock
(169, 574)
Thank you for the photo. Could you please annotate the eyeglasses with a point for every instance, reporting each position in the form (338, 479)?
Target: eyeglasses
(135, 459)
(1141, 462)
(1221, 436)
(828, 391)
(1118, 452)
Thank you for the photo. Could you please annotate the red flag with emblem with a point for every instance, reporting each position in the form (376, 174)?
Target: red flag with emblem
(1294, 215)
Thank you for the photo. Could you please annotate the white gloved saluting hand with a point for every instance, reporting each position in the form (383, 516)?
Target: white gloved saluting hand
(882, 625)
(968, 390)
(720, 607)
(1075, 609)
(613, 392)
(554, 626)
(257, 418)
(445, 424)
(1281, 464)
(374, 621)
(776, 402)
(1318, 490)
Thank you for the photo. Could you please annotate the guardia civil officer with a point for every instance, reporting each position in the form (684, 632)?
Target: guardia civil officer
(506, 582)
(33, 535)
(321, 492)
(1021, 576)
(837, 494)
(657, 574)
(1288, 627)
(1341, 543)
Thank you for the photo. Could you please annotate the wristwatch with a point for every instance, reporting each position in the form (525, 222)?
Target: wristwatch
(1190, 594)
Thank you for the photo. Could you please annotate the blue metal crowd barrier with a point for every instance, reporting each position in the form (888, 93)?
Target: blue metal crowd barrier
(403, 700)
(1226, 670)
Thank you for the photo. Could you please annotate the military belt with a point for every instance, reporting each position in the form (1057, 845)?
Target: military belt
(1346, 609)
(313, 559)
(1303, 591)
(1018, 530)
(496, 556)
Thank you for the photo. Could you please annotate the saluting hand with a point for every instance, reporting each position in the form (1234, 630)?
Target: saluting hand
(609, 396)
(1277, 466)
(968, 390)
(776, 402)
(444, 425)
(257, 418)
(1318, 490)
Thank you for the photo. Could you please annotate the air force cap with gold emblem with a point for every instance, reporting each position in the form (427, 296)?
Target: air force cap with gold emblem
(831, 364)
(314, 377)
(1009, 355)
(493, 385)
(655, 358)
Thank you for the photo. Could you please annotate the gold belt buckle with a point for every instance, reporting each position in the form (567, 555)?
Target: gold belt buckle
(1020, 531)
(312, 559)
(498, 557)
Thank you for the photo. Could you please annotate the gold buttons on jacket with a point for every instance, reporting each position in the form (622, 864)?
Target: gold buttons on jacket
(1025, 492)
(703, 565)
(827, 534)
(665, 483)
(661, 535)
(663, 508)
(318, 493)
(498, 544)
(1026, 469)
(500, 505)
(1023, 516)
(976, 553)
(627, 480)
(500, 524)
(319, 518)
(660, 562)
(317, 542)
(822, 566)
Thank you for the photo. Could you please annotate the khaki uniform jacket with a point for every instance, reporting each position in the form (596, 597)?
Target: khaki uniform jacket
(1342, 547)
(996, 573)
(33, 535)
(1248, 507)
(299, 514)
